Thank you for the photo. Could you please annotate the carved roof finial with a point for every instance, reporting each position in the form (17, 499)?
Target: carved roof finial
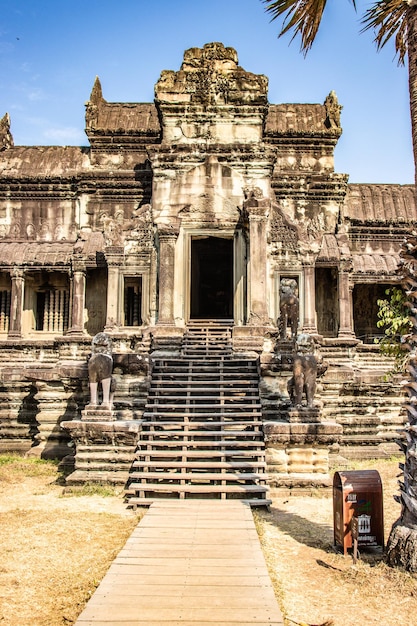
(96, 93)
(333, 109)
(92, 105)
(6, 137)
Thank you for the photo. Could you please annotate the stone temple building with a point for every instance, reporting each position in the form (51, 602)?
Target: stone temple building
(183, 217)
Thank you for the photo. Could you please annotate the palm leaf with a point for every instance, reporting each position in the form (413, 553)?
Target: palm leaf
(303, 17)
(388, 18)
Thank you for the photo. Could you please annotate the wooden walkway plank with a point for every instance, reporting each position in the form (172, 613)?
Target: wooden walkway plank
(188, 564)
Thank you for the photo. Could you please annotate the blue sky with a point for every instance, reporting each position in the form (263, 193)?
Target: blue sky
(51, 51)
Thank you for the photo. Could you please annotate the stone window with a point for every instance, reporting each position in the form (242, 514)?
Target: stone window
(133, 301)
(52, 310)
(5, 298)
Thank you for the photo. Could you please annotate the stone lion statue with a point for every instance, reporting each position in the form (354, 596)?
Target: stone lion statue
(100, 368)
(288, 307)
(306, 368)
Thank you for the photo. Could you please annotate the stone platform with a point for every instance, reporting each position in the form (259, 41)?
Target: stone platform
(188, 562)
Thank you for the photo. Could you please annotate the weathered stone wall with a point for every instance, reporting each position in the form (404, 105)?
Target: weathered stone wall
(101, 238)
(42, 388)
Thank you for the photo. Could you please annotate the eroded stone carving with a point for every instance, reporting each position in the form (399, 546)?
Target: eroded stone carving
(282, 233)
(91, 107)
(100, 367)
(6, 137)
(333, 109)
(211, 75)
(288, 307)
(306, 368)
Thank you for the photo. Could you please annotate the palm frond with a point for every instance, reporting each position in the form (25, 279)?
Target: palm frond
(302, 17)
(388, 18)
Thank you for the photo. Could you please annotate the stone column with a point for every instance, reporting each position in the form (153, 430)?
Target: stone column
(167, 240)
(114, 258)
(346, 329)
(258, 211)
(112, 316)
(78, 301)
(16, 307)
(309, 323)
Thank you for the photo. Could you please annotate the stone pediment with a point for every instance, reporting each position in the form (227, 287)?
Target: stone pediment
(210, 208)
(209, 76)
(211, 192)
(211, 99)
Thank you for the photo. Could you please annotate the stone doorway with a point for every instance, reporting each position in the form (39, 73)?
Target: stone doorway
(211, 293)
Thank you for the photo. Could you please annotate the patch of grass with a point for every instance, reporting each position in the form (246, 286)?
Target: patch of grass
(92, 489)
(14, 466)
(379, 576)
(7, 458)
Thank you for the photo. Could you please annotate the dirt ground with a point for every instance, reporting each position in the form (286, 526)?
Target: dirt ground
(55, 549)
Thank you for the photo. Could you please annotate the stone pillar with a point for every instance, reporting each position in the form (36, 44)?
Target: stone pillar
(78, 301)
(346, 329)
(167, 240)
(112, 316)
(16, 307)
(309, 323)
(114, 258)
(258, 213)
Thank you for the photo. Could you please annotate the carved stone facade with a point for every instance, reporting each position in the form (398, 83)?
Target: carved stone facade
(196, 206)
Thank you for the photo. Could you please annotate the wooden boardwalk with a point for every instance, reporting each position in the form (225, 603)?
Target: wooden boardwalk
(188, 563)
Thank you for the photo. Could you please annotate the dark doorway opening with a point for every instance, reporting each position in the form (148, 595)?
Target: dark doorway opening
(365, 310)
(211, 278)
(327, 301)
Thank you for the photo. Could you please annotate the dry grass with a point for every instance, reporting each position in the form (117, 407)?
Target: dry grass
(55, 548)
(317, 585)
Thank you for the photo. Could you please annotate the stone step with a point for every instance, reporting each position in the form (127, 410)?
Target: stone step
(199, 476)
(219, 443)
(209, 394)
(238, 489)
(192, 407)
(135, 501)
(238, 373)
(189, 383)
(202, 424)
(200, 343)
(186, 434)
(211, 340)
(200, 454)
(219, 351)
(250, 465)
(190, 424)
(225, 392)
(104, 465)
(222, 322)
(224, 359)
(202, 415)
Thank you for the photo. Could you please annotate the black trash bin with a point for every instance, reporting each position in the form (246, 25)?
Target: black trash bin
(358, 494)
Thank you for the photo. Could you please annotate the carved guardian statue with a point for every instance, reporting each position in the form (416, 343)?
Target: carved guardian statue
(306, 368)
(288, 307)
(100, 368)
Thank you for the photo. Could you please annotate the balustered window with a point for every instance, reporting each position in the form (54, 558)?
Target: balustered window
(133, 301)
(5, 298)
(52, 310)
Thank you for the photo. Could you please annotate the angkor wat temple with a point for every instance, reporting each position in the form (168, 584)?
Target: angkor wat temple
(176, 224)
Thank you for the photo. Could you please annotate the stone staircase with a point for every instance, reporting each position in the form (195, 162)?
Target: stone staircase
(202, 435)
